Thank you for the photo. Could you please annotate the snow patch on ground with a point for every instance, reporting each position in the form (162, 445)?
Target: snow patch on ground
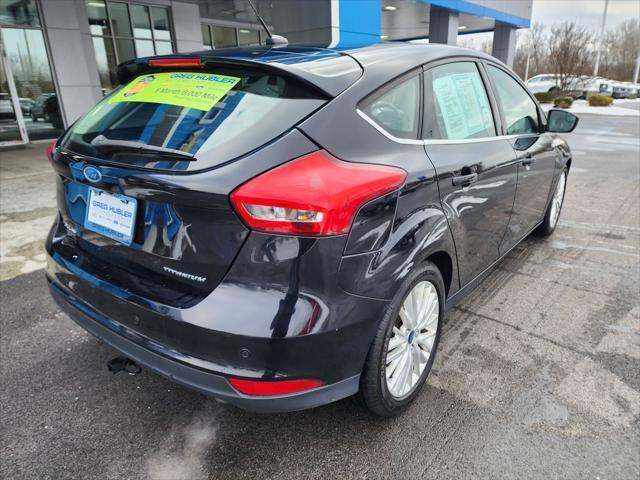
(616, 109)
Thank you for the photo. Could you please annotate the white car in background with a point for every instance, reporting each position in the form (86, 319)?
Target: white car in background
(579, 87)
(543, 83)
(547, 82)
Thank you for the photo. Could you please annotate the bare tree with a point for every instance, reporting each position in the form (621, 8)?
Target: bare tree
(622, 47)
(522, 54)
(483, 45)
(532, 46)
(538, 46)
(569, 52)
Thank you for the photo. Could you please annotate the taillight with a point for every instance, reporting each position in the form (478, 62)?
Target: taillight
(273, 387)
(50, 150)
(315, 195)
(175, 62)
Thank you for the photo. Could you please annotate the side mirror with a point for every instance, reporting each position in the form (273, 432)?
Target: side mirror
(561, 121)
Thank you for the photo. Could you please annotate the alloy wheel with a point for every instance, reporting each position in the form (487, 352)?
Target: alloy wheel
(556, 201)
(411, 343)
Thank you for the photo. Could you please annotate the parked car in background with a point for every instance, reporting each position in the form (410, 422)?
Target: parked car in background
(596, 85)
(634, 89)
(543, 83)
(25, 105)
(551, 83)
(622, 90)
(6, 108)
(300, 240)
(38, 110)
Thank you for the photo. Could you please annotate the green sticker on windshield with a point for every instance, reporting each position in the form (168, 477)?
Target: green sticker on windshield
(183, 89)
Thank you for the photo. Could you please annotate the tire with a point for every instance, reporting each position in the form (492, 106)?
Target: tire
(554, 90)
(375, 393)
(551, 216)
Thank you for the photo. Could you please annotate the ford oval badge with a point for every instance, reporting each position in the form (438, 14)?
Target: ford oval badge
(92, 174)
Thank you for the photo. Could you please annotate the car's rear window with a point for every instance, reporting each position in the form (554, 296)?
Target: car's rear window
(189, 120)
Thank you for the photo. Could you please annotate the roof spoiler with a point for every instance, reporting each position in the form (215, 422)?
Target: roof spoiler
(320, 75)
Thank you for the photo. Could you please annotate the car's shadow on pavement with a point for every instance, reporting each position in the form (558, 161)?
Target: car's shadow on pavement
(176, 433)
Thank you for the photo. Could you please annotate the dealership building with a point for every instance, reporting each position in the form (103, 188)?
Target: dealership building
(59, 57)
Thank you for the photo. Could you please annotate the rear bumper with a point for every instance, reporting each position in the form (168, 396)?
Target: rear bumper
(203, 381)
(286, 326)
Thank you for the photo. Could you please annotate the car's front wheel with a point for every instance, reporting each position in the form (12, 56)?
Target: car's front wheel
(552, 214)
(404, 348)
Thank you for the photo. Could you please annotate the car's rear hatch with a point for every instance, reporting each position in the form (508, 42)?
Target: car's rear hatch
(145, 176)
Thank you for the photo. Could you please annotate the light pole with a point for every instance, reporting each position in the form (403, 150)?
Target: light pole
(526, 68)
(604, 19)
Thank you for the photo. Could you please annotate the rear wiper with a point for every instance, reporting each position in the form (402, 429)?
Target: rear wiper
(102, 142)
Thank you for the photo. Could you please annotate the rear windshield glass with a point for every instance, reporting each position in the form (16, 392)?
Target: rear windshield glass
(191, 120)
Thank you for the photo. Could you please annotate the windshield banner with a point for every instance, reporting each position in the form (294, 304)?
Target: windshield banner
(183, 89)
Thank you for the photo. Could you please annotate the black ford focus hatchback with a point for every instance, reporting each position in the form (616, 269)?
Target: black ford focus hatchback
(285, 227)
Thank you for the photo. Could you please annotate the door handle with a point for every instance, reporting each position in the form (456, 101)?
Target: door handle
(528, 159)
(465, 179)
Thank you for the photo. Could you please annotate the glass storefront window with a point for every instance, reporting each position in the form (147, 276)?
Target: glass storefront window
(224, 37)
(9, 128)
(248, 37)
(98, 20)
(125, 49)
(106, 59)
(120, 19)
(164, 48)
(214, 36)
(141, 24)
(28, 64)
(124, 31)
(206, 37)
(22, 13)
(144, 48)
(161, 30)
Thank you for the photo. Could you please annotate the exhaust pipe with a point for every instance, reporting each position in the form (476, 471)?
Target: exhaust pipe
(117, 364)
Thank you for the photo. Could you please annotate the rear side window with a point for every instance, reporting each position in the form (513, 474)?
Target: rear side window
(191, 121)
(397, 109)
(457, 106)
(520, 112)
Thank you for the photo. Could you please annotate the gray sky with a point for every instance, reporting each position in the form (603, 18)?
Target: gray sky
(585, 12)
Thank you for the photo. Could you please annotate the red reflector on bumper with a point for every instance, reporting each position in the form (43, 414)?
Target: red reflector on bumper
(273, 387)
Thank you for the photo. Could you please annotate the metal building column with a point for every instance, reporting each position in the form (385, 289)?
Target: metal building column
(504, 43)
(73, 60)
(443, 26)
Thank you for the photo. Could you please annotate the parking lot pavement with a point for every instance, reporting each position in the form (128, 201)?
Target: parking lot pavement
(538, 373)
(27, 209)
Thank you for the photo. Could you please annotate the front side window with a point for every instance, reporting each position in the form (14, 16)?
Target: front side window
(397, 109)
(520, 112)
(457, 106)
